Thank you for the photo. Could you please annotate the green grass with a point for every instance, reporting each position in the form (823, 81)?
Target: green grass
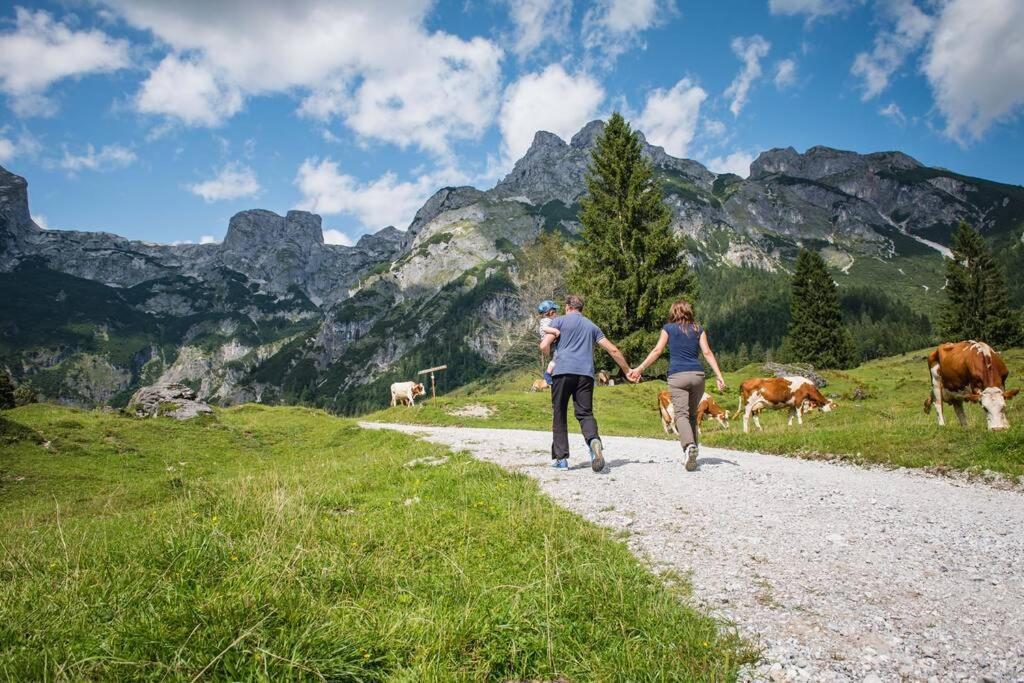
(282, 543)
(888, 426)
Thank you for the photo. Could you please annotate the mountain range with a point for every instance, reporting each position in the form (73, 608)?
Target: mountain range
(274, 314)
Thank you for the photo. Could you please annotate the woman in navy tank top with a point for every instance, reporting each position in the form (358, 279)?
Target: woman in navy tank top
(684, 338)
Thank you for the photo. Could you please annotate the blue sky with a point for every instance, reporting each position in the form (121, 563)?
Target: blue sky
(158, 120)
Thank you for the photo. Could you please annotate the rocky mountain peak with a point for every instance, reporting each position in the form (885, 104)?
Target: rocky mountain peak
(588, 134)
(15, 219)
(258, 229)
(820, 162)
(445, 199)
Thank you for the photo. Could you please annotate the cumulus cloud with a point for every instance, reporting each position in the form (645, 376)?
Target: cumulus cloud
(385, 201)
(812, 9)
(208, 239)
(333, 236)
(910, 27)
(537, 24)
(373, 64)
(8, 150)
(551, 100)
(40, 220)
(893, 112)
(670, 117)
(613, 27)
(785, 73)
(188, 91)
(750, 51)
(39, 51)
(107, 158)
(738, 162)
(975, 64)
(234, 180)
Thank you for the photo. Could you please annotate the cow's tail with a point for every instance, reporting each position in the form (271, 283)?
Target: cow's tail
(931, 387)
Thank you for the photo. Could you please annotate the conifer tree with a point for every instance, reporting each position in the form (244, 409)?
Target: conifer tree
(6, 390)
(977, 299)
(630, 266)
(816, 332)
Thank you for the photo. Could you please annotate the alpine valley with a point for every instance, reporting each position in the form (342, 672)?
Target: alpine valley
(274, 314)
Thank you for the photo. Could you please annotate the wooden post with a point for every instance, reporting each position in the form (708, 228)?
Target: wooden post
(433, 383)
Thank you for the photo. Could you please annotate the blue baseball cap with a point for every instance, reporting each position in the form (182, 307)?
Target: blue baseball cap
(547, 305)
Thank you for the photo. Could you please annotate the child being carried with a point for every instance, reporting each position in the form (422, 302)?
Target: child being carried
(548, 309)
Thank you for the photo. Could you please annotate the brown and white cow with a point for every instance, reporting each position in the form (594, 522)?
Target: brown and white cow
(799, 394)
(538, 385)
(969, 371)
(708, 406)
(602, 378)
(406, 392)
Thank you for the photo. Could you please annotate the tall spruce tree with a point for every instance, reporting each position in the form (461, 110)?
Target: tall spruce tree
(816, 332)
(6, 390)
(630, 266)
(977, 299)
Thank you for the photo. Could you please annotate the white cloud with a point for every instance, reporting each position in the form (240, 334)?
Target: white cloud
(714, 128)
(333, 236)
(208, 239)
(40, 51)
(738, 162)
(8, 150)
(188, 91)
(892, 46)
(375, 204)
(537, 24)
(613, 27)
(785, 73)
(893, 112)
(750, 51)
(811, 8)
(975, 64)
(375, 64)
(233, 181)
(670, 117)
(107, 158)
(551, 100)
(40, 220)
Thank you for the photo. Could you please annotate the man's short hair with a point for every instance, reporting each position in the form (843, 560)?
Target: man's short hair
(574, 301)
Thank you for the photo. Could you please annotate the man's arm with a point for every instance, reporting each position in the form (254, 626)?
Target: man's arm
(614, 352)
(545, 344)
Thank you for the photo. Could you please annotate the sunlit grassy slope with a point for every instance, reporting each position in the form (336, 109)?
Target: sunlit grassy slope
(286, 544)
(887, 425)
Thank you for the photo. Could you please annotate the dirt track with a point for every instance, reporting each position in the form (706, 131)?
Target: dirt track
(840, 572)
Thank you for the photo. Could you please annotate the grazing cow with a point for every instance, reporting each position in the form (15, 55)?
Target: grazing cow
(708, 406)
(969, 371)
(799, 394)
(602, 378)
(538, 385)
(406, 392)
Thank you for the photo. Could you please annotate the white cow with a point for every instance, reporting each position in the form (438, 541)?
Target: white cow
(406, 392)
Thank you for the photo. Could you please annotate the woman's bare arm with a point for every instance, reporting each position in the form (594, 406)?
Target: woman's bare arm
(709, 355)
(655, 353)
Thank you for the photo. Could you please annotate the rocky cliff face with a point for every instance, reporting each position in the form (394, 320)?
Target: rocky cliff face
(273, 313)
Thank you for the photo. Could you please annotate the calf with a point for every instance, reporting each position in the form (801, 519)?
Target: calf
(796, 393)
(602, 378)
(708, 406)
(969, 371)
(406, 392)
(538, 385)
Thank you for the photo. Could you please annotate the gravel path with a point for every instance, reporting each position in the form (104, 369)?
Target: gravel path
(841, 573)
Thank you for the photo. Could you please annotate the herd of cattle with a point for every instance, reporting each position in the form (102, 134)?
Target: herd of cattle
(967, 371)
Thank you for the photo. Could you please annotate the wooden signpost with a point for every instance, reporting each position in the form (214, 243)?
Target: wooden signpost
(431, 371)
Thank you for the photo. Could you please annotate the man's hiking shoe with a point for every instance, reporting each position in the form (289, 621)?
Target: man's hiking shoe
(596, 455)
(691, 457)
(561, 464)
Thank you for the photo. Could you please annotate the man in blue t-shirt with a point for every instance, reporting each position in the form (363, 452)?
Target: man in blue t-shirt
(574, 378)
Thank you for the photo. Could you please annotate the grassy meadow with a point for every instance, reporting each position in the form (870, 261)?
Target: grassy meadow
(882, 423)
(283, 543)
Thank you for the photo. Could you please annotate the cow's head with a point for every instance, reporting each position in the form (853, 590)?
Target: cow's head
(418, 390)
(828, 406)
(993, 402)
